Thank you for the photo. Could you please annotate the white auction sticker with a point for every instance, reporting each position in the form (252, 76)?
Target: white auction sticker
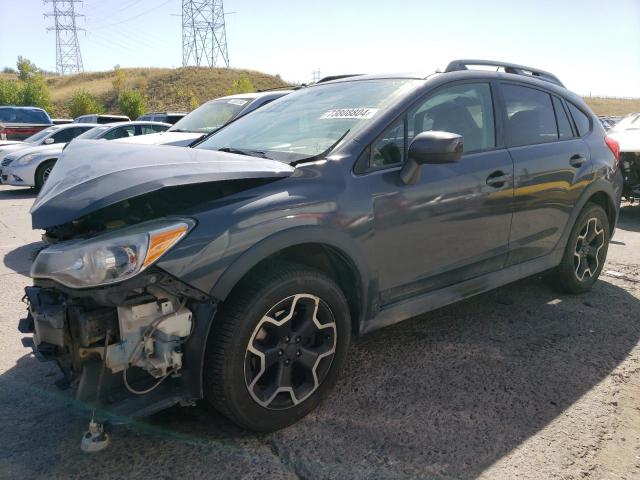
(237, 101)
(365, 113)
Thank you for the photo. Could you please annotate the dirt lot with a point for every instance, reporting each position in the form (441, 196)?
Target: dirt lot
(516, 383)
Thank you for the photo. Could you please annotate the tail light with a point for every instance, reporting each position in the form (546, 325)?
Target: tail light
(614, 146)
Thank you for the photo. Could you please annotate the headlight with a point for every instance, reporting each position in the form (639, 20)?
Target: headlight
(26, 159)
(109, 258)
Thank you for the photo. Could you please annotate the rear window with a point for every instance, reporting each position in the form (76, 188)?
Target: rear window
(23, 115)
(530, 115)
(580, 118)
(564, 125)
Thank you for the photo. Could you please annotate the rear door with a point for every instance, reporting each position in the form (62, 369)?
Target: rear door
(453, 224)
(552, 166)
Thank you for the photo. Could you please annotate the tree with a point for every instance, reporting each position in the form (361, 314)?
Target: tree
(35, 93)
(241, 85)
(9, 92)
(119, 80)
(26, 69)
(83, 103)
(132, 103)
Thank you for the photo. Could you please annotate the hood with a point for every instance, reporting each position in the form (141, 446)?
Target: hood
(14, 147)
(629, 140)
(93, 175)
(28, 148)
(178, 139)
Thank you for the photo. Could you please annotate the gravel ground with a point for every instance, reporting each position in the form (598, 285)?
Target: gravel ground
(517, 383)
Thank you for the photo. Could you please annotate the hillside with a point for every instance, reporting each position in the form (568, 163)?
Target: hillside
(181, 88)
(165, 88)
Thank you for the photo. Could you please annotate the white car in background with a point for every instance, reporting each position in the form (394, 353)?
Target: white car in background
(209, 117)
(30, 167)
(627, 133)
(57, 134)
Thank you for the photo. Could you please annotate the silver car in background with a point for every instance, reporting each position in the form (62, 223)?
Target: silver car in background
(49, 136)
(30, 167)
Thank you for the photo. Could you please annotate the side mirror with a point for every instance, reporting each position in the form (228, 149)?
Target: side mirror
(432, 148)
(48, 141)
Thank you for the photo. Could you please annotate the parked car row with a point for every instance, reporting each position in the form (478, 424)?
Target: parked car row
(30, 166)
(237, 267)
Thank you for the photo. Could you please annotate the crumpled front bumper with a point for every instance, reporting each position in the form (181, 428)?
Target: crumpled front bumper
(70, 327)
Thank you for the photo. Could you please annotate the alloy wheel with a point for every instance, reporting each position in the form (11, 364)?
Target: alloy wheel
(290, 352)
(45, 174)
(586, 256)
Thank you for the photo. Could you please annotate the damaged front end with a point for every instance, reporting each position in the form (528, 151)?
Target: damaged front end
(126, 334)
(630, 163)
(150, 332)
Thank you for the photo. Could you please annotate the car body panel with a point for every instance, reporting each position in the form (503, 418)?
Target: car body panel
(176, 139)
(89, 176)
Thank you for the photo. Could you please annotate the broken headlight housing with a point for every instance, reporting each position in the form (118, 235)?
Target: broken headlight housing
(111, 257)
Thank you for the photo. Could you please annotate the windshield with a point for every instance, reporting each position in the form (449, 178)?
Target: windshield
(630, 121)
(41, 135)
(95, 132)
(308, 122)
(210, 116)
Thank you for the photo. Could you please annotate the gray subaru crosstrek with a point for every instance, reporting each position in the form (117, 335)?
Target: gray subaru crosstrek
(239, 270)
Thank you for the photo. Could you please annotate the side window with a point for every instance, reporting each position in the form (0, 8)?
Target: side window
(389, 148)
(564, 125)
(122, 132)
(530, 117)
(463, 109)
(582, 121)
(64, 136)
(158, 128)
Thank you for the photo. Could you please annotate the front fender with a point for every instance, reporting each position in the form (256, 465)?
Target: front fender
(289, 238)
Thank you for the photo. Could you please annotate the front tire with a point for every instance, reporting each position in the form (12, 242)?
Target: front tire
(586, 251)
(42, 173)
(277, 347)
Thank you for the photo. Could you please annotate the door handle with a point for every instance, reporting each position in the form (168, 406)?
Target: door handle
(498, 179)
(577, 160)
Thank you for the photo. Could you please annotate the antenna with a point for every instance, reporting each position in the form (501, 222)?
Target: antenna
(204, 36)
(316, 75)
(68, 57)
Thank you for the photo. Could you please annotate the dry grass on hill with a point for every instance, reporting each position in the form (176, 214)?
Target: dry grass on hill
(178, 89)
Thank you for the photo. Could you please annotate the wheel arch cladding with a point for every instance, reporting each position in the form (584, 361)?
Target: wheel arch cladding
(338, 261)
(605, 201)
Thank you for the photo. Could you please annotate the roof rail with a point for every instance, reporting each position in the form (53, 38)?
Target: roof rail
(458, 65)
(338, 77)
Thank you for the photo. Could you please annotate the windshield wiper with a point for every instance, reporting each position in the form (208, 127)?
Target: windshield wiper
(322, 154)
(239, 151)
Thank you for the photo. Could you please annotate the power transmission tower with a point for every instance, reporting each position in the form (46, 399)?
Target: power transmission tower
(204, 36)
(68, 57)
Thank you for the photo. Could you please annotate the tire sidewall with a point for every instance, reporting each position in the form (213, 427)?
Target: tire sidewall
(244, 407)
(566, 269)
(39, 181)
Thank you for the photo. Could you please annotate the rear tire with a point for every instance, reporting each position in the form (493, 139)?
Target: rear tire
(585, 253)
(42, 173)
(277, 346)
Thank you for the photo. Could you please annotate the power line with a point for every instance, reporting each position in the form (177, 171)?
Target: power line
(68, 57)
(204, 36)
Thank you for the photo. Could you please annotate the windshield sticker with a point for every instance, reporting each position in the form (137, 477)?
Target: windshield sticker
(363, 113)
(237, 101)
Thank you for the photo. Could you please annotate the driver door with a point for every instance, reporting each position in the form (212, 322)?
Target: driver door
(454, 223)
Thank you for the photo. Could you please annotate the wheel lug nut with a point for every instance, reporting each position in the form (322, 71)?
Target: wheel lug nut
(287, 361)
(297, 339)
(286, 339)
(280, 353)
(298, 353)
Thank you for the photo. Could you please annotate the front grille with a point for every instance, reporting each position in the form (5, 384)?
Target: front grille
(7, 161)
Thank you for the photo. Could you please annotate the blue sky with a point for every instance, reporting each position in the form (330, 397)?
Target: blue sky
(592, 45)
